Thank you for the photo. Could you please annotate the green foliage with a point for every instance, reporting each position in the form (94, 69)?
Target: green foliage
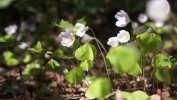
(37, 49)
(10, 58)
(162, 68)
(75, 76)
(86, 52)
(27, 58)
(64, 24)
(160, 61)
(30, 70)
(136, 95)
(52, 85)
(99, 88)
(86, 65)
(54, 66)
(164, 74)
(149, 41)
(82, 21)
(5, 3)
(124, 60)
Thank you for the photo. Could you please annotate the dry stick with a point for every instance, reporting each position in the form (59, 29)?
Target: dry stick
(101, 53)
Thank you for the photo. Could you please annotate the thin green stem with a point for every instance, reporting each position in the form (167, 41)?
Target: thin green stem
(101, 52)
(101, 45)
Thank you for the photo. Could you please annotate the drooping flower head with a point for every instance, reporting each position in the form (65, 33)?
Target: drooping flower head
(123, 18)
(11, 29)
(123, 36)
(86, 38)
(80, 29)
(67, 37)
(113, 42)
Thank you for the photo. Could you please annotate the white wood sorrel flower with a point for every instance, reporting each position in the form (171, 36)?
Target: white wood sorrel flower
(11, 29)
(123, 18)
(113, 42)
(80, 29)
(123, 36)
(67, 37)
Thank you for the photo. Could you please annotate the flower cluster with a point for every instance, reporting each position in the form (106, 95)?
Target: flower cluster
(123, 36)
(68, 36)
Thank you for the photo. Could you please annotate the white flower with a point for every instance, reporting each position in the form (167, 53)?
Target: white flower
(123, 36)
(11, 29)
(158, 10)
(142, 18)
(81, 29)
(123, 18)
(86, 38)
(67, 37)
(23, 45)
(113, 42)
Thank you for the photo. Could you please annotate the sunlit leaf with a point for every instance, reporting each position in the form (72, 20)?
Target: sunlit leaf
(124, 60)
(75, 76)
(86, 52)
(99, 88)
(160, 61)
(82, 21)
(53, 65)
(27, 58)
(149, 41)
(86, 65)
(64, 24)
(164, 74)
(5, 3)
(37, 49)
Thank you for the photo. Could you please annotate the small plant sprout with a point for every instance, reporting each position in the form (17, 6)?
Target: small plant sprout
(80, 29)
(86, 38)
(123, 18)
(67, 37)
(123, 36)
(11, 29)
(113, 42)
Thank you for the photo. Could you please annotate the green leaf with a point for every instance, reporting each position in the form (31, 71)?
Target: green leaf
(124, 60)
(125, 94)
(99, 88)
(10, 58)
(160, 61)
(86, 52)
(164, 74)
(27, 58)
(82, 21)
(86, 65)
(64, 24)
(89, 95)
(5, 3)
(75, 76)
(149, 41)
(31, 69)
(12, 62)
(136, 71)
(54, 66)
(138, 95)
(53, 85)
(37, 49)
